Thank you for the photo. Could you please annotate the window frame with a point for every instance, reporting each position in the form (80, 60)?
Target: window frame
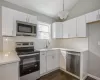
(46, 24)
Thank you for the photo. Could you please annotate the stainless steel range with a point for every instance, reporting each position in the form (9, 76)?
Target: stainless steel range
(30, 61)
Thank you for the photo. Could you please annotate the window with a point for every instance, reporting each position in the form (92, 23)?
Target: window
(44, 30)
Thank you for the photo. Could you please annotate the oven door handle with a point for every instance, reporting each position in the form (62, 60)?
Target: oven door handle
(28, 55)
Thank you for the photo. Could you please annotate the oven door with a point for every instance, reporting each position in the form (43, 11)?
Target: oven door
(29, 64)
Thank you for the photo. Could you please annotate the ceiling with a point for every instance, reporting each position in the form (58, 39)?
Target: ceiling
(48, 7)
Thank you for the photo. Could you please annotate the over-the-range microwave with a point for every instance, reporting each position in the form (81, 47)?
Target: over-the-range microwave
(25, 29)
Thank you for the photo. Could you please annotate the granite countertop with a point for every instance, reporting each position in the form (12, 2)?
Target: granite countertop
(8, 57)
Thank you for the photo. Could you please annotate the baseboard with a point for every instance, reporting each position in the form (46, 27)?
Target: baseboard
(95, 77)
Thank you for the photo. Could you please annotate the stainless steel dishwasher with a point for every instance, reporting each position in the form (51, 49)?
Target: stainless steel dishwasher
(73, 62)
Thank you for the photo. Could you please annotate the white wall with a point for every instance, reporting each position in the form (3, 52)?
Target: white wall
(94, 48)
(83, 7)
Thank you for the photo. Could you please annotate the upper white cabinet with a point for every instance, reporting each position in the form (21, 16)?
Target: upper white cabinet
(69, 28)
(81, 26)
(93, 16)
(7, 22)
(20, 16)
(9, 18)
(65, 29)
(43, 63)
(57, 30)
(32, 19)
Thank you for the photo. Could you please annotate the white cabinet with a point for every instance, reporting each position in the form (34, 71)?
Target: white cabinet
(91, 17)
(69, 28)
(9, 71)
(65, 29)
(63, 60)
(49, 61)
(7, 22)
(43, 63)
(81, 26)
(20, 16)
(57, 58)
(52, 60)
(32, 19)
(57, 30)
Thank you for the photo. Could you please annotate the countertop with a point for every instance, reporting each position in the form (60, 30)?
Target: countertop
(11, 57)
(65, 49)
(8, 57)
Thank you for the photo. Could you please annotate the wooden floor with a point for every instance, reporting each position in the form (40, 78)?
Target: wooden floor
(60, 75)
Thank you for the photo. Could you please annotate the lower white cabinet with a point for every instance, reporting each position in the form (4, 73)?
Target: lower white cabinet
(63, 60)
(49, 61)
(43, 62)
(9, 71)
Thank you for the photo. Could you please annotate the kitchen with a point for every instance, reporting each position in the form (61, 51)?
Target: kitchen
(70, 45)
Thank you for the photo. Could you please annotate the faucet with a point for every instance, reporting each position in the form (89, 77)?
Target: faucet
(47, 44)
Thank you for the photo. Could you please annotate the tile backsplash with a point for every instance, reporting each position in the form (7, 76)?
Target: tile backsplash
(9, 43)
(74, 43)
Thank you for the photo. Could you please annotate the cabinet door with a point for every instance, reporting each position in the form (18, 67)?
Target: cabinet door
(81, 26)
(20, 16)
(32, 19)
(63, 60)
(9, 71)
(51, 60)
(69, 28)
(57, 30)
(43, 67)
(91, 17)
(57, 59)
(65, 29)
(7, 22)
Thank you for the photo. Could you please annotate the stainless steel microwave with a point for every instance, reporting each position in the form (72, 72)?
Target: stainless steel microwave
(26, 29)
